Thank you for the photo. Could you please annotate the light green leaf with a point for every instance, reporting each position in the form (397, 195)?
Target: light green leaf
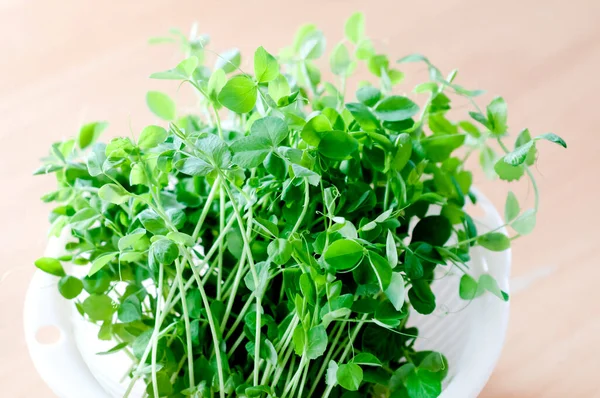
(272, 128)
(181, 238)
(525, 223)
(368, 95)
(349, 376)
(396, 291)
(113, 193)
(343, 254)
(396, 108)
(131, 239)
(490, 284)
(280, 251)
(279, 88)
(130, 309)
(266, 67)
(101, 261)
(98, 307)
(314, 129)
(364, 49)
(355, 27)
(182, 71)
(331, 376)
(508, 172)
(316, 342)
(552, 138)
(250, 151)
(69, 287)
(494, 241)
(239, 94)
(520, 154)
(96, 159)
(151, 136)
(299, 340)
(511, 207)
(497, 116)
(365, 358)
(382, 270)
(50, 265)
(391, 251)
(340, 61)
(137, 175)
(89, 133)
(468, 288)
(161, 105)
(363, 115)
(215, 84)
(193, 166)
(84, 218)
(164, 251)
(229, 60)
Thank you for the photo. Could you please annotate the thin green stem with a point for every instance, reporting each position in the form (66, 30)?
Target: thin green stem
(159, 291)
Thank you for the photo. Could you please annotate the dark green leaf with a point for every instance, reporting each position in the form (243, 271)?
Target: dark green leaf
(382, 269)
(337, 145)
(343, 254)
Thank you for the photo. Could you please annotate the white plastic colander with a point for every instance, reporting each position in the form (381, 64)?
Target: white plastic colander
(470, 335)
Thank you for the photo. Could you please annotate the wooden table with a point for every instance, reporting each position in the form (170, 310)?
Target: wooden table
(69, 61)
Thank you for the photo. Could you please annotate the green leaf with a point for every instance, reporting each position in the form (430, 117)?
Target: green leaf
(84, 218)
(279, 88)
(151, 136)
(250, 151)
(490, 284)
(552, 138)
(508, 172)
(98, 307)
(89, 133)
(391, 251)
(239, 94)
(310, 42)
(349, 376)
(229, 60)
(365, 358)
(193, 166)
(421, 297)
(494, 241)
(280, 251)
(435, 230)
(266, 67)
(403, 152)
(343, 254)
(96, 159)
(340, 61)
(520, 154)
(355, 27)
(131, 239)
(272, 128)
(423, 384)
(378, 64)
(525, 223)
(331, 376)
(137, 176)
(315, 128)
(182, 71)
(50, 265)
(368, 95)
(258, 286)
(337, 145)
(316, 343)
(113, 193)
(165, 251)
(161, 105)
(523, 138)
(130, 309)
(153, 222)
(363, 115)
(382, 269)
(468, 288)
(496, 114)
(70, 287)
(395, 291)
(101, 261)
(299, 340)
(439, 147)
(396, 108)
(511, 207)
(215, 84)
(181, 238)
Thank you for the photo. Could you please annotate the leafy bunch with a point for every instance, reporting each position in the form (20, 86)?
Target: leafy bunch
(277, 253)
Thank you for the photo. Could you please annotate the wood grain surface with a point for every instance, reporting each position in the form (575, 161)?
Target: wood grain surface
(63, 63)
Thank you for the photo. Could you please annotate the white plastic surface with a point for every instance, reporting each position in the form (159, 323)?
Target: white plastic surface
(470, 335)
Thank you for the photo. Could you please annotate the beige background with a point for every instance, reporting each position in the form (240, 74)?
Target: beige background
(66, 62)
